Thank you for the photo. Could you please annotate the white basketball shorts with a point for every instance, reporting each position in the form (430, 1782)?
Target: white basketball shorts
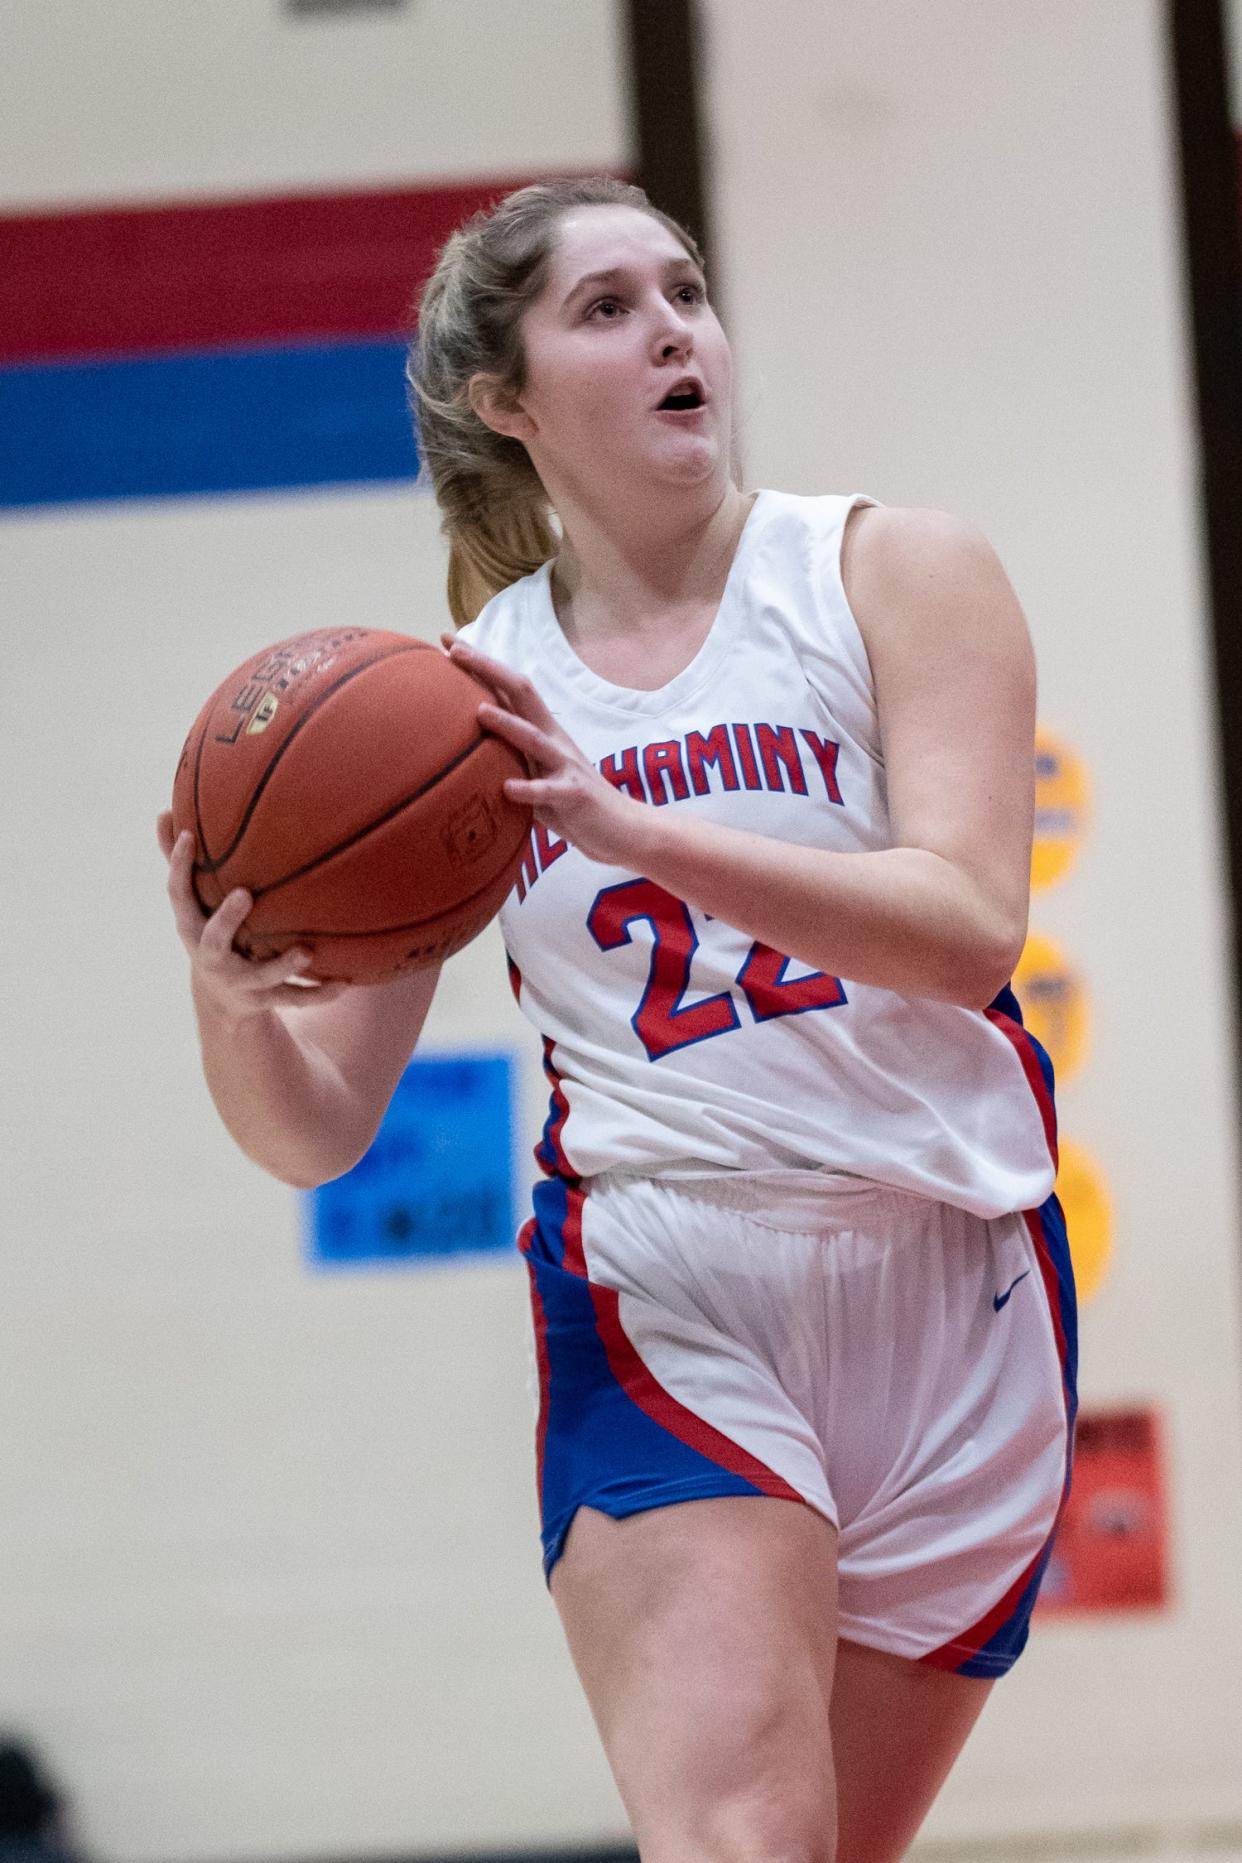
(903, 1367)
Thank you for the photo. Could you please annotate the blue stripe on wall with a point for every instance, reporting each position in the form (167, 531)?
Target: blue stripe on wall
(236, 420)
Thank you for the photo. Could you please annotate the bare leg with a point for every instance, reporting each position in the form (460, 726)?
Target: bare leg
(897, 1728)
(705, 1635)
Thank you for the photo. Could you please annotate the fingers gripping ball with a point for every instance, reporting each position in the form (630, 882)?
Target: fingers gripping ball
(343, 779)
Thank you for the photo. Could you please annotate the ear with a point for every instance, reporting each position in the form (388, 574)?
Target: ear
(499, 408)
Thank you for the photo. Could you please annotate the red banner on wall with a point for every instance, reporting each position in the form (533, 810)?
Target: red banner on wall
(192, 275)
(1111, 1553)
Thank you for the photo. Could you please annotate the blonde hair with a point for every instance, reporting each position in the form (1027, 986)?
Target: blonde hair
(494, 510)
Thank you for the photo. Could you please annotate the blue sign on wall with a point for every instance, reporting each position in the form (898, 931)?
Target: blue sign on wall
(437, 1183)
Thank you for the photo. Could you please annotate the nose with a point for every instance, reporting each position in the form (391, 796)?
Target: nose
(671, 335)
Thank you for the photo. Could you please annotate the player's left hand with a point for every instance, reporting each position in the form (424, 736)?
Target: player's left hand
(567, 794)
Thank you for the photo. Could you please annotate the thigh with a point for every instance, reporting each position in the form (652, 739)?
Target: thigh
(897, 1728)
(704, 1635)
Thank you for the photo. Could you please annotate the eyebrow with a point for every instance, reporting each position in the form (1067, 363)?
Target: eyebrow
(616, 272)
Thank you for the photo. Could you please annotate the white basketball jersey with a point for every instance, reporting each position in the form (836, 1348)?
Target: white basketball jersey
(677, 1045)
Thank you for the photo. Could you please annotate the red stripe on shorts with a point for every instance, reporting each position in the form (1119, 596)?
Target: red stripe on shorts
(540, 1319)
(1052, 1285)
(662, 1407)
(574, 1258)
(644, 1389)
(951, 1655)
(968, 1643)
(555, 1163)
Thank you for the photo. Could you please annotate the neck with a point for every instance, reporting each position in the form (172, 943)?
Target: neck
(617, 563)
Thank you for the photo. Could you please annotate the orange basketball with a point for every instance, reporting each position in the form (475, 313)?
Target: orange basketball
(343, 778)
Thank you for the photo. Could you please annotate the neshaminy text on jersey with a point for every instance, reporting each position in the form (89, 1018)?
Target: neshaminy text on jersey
(726, 757)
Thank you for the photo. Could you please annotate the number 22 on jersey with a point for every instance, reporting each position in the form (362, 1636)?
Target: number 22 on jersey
(664, 1020)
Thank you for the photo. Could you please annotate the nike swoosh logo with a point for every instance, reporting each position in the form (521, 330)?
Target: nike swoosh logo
(998, 1300)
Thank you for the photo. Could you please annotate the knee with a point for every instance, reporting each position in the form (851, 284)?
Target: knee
(793, 1829)
(768, 1841)
(775, 1847)
(768, 1794)
(735, 1847)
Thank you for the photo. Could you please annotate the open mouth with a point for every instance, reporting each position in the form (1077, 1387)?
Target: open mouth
(682, 399)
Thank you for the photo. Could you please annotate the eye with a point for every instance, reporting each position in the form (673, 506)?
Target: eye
(606, 304)
(692, 294)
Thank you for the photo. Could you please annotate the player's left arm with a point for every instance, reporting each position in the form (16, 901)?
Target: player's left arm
(954, 676)
(941, 912)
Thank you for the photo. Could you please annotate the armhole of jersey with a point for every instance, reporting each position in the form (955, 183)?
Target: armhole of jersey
(835, 593)
(837, 604)
(482, 630)
(476, 632)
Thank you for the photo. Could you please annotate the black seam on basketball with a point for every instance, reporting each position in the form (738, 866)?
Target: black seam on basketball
(360, 834)
(387, 931)
(389, 653)
(199, 837)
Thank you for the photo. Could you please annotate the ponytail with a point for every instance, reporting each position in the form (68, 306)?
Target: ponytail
(500, 544)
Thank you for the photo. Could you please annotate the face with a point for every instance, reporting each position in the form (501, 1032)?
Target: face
(622, 322)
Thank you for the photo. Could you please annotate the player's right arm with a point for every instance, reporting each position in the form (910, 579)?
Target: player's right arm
(300, 1076)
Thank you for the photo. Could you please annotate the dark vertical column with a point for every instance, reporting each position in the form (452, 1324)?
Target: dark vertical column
(1212, 225)
(664, 39)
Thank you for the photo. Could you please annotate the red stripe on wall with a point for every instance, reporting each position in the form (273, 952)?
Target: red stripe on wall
(208, 275)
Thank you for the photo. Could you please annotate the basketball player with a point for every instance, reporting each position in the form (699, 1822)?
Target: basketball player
(802, 1299)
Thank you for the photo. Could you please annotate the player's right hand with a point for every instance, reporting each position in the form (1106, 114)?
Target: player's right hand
(237, 986)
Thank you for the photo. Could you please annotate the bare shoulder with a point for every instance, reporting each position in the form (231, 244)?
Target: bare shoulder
(915, 554)
(908, 564)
